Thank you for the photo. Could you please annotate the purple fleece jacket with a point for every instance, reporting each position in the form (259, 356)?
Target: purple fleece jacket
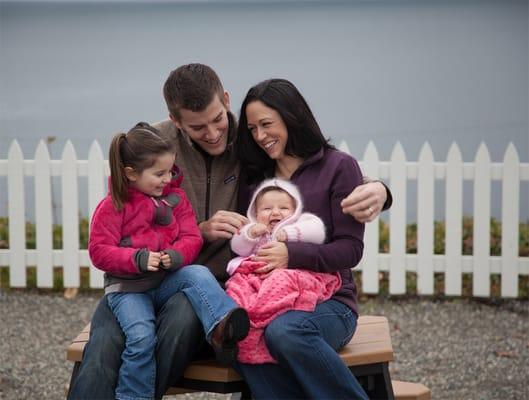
(323, 180)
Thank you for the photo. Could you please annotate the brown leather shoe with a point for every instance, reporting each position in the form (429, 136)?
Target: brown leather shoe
(230, 330)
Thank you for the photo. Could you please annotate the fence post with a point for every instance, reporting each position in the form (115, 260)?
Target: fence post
(96, 192)
(454, 221)
(70, 217)
(397, 228)
(370, 279)
(509, 222)
(43, 217)
(481, 245)
(16, 211)
(425, 219)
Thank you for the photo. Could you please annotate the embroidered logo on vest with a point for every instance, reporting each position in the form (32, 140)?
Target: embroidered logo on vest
(229, 179)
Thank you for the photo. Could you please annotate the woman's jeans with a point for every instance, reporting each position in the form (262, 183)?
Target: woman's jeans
(136, 314)
(305, 344)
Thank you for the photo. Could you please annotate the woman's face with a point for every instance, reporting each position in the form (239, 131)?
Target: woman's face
(267, 128)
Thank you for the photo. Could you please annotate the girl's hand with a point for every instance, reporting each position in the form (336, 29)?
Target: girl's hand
(154, 261)
(166, 260)
(274, 254)
(257, 230)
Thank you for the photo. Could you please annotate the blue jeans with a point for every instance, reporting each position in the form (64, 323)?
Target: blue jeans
(136, 313)
(305, 345)
(180, 337)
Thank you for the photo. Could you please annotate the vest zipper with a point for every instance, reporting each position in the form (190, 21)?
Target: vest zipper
(208, 160)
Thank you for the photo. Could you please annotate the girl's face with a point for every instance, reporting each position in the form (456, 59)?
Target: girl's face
(152, 181)
(274, 206)
(267, 128)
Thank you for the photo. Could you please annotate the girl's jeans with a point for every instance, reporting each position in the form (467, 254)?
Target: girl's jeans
(305, 345)
(136, 314)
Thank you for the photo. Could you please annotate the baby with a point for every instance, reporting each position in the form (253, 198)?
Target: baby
(275, 213)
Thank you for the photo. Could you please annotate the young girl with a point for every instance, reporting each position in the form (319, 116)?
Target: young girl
(275, 213)
(144, 236)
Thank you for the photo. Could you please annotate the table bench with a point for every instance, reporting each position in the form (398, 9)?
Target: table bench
(367, 356)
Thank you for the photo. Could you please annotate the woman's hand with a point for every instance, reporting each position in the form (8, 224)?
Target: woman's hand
(274, 254)
(365, 202)
(222, 225)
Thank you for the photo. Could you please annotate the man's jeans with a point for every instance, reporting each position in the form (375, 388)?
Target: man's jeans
(179, 332)
(305, 344)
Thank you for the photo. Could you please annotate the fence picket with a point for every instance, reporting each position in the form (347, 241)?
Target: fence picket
(370, 280)
(96, 191)
(425, 221)
(481, 245)
(397, 230)
(509, 226)
(453, 226)
(70, 217)
(43, 217)
(16, 212)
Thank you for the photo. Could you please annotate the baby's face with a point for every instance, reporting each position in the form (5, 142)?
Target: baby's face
(274, 206)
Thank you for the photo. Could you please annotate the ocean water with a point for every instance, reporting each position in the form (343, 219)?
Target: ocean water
(385, 71)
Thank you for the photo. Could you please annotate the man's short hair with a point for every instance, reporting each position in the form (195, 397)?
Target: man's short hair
(193, 87)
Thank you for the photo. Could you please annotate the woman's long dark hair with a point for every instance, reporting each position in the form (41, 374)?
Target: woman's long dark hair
(304, 134)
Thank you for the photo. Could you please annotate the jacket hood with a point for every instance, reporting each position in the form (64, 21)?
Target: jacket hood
(288, 187)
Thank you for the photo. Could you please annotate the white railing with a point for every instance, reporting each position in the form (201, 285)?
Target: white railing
(398, 171)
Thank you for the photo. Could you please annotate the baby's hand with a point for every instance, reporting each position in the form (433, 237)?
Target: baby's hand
(153, 262)
(281, 236)
(166, 260)
(257, 230)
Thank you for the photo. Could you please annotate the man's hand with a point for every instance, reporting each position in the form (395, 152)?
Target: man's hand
(153, 262)
(257, 230)
(365, 202)
(274, 254)
(222, 225)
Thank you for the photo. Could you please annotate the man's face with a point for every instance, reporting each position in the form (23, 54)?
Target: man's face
(207, 128)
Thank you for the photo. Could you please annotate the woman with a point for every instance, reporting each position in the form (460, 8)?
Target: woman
(279, 136)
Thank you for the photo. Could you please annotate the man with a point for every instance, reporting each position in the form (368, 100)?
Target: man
(204, 130)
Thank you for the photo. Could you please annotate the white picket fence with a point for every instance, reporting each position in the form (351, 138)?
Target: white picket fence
(397, 172)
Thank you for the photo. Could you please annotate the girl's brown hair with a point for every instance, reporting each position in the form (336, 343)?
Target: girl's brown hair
(137, 149)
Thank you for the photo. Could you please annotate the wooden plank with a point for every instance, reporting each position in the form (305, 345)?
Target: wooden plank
(509, 223)
(425, 218)
(410, 391)
(43, 217)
